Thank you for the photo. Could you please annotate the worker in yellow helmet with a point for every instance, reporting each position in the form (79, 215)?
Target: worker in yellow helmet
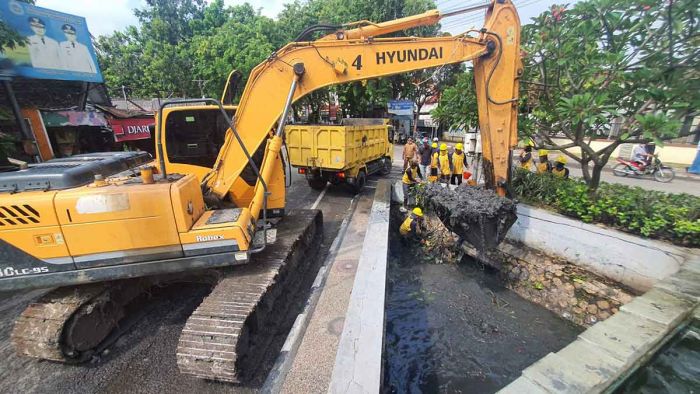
(459, 163)
(444, 163)
(526, 156)
(560, 169)
(434, 164)
(413, 225)
(544, 165)
(410, 178)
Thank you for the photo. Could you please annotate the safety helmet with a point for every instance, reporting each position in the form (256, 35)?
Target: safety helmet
(561, 159)
(435, 139)
(434, 145)
(459, 146)
(418, 212)
(543, 152)
(443, 146)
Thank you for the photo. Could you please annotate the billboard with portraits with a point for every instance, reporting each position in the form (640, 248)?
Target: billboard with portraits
(57, 45)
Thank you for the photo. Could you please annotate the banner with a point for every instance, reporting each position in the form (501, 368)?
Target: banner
(400, 107)
(131, 128)
(57, 46)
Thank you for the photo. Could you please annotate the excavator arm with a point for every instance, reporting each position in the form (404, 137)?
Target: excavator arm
(355, 55)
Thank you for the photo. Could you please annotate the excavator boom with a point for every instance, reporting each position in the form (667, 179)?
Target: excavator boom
(354, 56)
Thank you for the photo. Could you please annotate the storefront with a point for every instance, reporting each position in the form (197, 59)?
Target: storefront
(134, 134)
(74, 132)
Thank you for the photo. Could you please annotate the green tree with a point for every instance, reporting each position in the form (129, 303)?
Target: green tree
(609, 60)
(9, 38)
(457, 108)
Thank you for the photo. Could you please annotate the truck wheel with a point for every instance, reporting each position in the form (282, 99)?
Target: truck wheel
(317, 183)
(386, 167)
(359, 182)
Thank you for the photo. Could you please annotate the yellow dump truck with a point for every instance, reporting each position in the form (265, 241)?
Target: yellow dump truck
(346, 153)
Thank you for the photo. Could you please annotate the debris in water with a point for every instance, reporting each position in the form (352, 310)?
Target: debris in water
(477, 215)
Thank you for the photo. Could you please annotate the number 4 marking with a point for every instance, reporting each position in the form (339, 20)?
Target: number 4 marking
(357, 63)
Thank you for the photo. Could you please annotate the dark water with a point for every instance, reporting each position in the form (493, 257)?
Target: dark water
(455, 328)
(676, 369)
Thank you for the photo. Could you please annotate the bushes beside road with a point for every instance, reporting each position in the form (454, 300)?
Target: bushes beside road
(653, 214)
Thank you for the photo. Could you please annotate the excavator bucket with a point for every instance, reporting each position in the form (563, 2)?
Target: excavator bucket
(477, 215)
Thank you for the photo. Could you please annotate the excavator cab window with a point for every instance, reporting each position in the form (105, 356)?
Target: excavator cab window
(195, 136)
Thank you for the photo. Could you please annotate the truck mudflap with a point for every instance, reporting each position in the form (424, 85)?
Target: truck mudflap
(228, 335)
(20, 270)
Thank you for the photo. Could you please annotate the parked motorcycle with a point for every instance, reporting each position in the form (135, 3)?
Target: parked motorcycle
(660, 172)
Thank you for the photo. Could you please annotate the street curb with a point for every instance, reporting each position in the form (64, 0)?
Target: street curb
(358, 361)
(283, 364)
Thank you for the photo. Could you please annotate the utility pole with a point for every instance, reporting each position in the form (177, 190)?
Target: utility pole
(126, 101)
(201, 83)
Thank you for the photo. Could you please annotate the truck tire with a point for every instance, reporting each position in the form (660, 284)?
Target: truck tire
(359, 182)
(317, 183)
(386, 166)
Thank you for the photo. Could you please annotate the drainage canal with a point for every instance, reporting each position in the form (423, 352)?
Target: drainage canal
(455, 327)
(675, 369)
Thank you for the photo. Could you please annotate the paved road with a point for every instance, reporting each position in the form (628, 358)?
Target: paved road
(143, 359)
(678, 185)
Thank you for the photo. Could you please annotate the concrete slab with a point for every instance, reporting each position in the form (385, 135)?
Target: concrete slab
(560, 375)
(358, 363)
(595, 361)
(680, 287)
(661, 307)
(626, 337)
(523, 385)
(313, 364)
(693, 264)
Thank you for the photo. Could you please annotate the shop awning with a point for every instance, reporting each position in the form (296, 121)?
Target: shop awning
(130, 129)
(73, 118)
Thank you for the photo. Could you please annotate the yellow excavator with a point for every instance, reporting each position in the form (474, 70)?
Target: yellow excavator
(102, 228)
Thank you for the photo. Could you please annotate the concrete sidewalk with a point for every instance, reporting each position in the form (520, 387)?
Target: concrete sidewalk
(313, 365)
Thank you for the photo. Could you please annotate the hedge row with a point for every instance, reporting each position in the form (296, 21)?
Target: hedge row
(653, 214)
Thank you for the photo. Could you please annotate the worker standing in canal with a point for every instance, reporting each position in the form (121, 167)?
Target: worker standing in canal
(459, 163)
(526, 157)
(413, 225)
(434, 164)
(444, 163)
(544, 165)
(410, 178)
(560, 169)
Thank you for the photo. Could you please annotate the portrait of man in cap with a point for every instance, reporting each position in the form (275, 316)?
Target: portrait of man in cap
(74, 55)
(43, 50)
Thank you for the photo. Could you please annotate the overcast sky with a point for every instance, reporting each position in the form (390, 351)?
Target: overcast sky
(106, 16)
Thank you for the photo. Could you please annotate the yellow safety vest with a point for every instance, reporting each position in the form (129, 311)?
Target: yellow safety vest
(528, 164)
(434, 160)
(542, 167)
(414, 174)
(457, 162)
(405, 228)
(560, 173)
(445, 164)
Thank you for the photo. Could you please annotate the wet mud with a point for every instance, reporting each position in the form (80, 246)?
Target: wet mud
(456, 328)
(477, 215)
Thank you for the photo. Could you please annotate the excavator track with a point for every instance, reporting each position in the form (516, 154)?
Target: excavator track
(228, 334)
(71, 324)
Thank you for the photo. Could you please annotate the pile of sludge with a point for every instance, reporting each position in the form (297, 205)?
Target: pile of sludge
(477, 215)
